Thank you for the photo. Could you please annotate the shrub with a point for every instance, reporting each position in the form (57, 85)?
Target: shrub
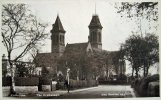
(21, 81)
(44, 81)
(26, 81)
(144, 84)
(153, 89)
(6, 81)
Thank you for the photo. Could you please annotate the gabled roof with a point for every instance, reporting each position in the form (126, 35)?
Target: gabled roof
(76, 48)
(45, 59)
(57, 26)
(95, 22)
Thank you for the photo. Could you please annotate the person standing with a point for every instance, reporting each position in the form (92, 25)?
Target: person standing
(66, 85)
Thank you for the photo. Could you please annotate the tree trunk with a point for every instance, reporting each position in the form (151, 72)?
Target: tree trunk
(12, 88)
(144, 70)
(132, 71)
(136, 73)
(147, 70)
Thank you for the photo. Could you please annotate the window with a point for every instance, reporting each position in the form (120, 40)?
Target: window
(63, 39)
(99, 35)
(94, 36)
(60, 38)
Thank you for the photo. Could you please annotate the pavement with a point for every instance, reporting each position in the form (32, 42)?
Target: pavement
(101, 91)
(62, 92)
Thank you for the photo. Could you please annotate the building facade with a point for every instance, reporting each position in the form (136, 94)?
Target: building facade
(86, 60)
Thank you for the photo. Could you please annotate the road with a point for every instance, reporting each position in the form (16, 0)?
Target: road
(102, 91)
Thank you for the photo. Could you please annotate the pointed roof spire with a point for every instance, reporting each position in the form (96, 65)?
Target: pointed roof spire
(95, 22)
(57, 26)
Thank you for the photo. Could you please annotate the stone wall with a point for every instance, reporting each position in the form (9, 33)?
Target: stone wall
(46, 88)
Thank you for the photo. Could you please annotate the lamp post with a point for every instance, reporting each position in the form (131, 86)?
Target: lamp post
(68, 70)
(120, 68)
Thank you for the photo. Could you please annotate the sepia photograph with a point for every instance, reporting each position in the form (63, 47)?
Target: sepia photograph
(80, 49)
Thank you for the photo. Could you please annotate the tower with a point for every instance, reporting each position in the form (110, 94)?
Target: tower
(95, 32)
(57, 37)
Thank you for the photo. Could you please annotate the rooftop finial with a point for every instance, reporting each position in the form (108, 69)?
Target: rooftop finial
(58, 13)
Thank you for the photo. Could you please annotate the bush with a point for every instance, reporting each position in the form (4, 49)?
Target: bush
(26, 81)
(144, 84)
(153, 89)
(74, 84)
(45, 81)
(114, 82)
(6, 81)
(132, 84)
(141, 85)
(122, 77)
(137, 83)
(21, 81)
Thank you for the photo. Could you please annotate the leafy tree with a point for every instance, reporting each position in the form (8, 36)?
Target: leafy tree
(45, 72)
(142, 52)
(22, 70)
(137, 46)
(20, 31)
(141, 14)
(138, 9)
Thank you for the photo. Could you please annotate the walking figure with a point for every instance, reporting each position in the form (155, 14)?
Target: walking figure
(66, 85)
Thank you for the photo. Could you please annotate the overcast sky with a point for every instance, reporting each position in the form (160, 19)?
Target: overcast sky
(76, 15)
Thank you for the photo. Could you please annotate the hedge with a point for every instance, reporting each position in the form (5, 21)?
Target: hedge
(118, 82)
(44, 81)
(21, 81)
(141, 86)
(78, 84)
(6, 81)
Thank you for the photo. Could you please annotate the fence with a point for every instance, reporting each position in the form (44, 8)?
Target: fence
(75, 84)
(118, 82)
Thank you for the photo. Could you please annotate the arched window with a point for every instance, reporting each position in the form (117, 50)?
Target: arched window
(99, 36)
(56, 38)
(59, 38)
(63, 38)
(94, 36)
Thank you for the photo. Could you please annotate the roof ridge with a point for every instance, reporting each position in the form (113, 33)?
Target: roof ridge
(77, 43)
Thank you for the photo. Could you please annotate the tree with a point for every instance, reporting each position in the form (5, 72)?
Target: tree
(138, 9)
(20, 31)
(145, 17)
(142, 52)
(21, 70)
(151, 51)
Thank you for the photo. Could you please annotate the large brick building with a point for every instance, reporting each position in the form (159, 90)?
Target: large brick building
(86, 60)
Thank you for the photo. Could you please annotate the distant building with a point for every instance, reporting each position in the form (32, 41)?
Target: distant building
(86, 60)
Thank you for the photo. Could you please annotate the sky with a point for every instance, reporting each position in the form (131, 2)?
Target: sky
(76, 15)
